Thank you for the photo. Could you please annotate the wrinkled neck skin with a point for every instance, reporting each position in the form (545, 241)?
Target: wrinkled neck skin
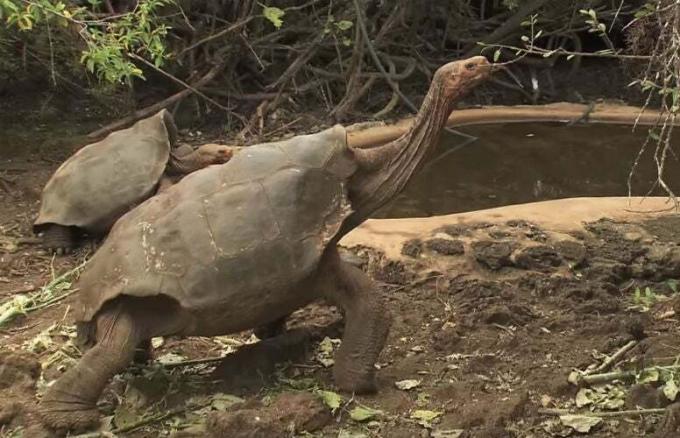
(384, 171)
(182, 165)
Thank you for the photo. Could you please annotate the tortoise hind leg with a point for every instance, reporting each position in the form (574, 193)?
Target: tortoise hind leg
(60, 239)
(367, 322)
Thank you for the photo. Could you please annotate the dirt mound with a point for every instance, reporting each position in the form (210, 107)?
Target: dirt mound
(19, 373)
(289, 413)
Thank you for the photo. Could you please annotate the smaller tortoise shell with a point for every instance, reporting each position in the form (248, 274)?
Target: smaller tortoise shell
(103, 180)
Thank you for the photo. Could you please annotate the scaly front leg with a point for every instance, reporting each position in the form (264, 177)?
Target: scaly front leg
(71, 402)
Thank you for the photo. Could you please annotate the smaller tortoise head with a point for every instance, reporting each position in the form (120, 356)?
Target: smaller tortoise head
(460, 76)
(214, 153)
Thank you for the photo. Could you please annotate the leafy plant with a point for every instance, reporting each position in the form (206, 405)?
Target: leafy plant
(644, 300)
(107, 43)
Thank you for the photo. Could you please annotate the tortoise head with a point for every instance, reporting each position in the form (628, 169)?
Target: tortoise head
(212, 153)
(460, 76)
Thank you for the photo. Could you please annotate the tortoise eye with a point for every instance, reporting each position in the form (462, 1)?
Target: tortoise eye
(469, 66)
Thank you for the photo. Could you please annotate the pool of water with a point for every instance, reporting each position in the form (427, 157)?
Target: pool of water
(527, 162)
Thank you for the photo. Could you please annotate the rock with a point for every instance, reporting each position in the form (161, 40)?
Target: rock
(290, 412)
(492, 255)
(446, 246)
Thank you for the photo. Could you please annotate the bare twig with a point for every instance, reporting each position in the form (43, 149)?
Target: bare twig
(509, 26)
(611, 360)
(151, 109)
(234, 27)
(179, 81)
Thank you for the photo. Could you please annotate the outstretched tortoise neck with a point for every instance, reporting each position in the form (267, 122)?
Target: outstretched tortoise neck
(185, 164)
(384, 171)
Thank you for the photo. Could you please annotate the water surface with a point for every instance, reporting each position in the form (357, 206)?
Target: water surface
(526, 162)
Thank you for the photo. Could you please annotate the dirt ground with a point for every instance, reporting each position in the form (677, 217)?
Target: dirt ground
(489, 321)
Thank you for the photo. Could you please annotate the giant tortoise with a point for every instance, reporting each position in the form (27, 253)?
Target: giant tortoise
(240, 245)
(103, 180)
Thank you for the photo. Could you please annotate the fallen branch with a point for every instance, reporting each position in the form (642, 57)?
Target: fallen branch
(611, 360)
(627, 413)
(596, 379)
(152, 109)
(193, 362)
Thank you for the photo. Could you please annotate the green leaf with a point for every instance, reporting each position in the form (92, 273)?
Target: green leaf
(424, 417)
(274, 15)
(584, 397)
(407, 384)
(222, 401)
(448, 433)
(344, 24)
(648, 376)
(331, 399)
(496, 55)
(670, 390)
(364, 413)
(580, 423)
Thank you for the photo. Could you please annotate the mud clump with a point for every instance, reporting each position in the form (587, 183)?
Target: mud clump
(530, 230)
(290, 412)
(646, 396)
(412, 248)
(663, 228)
(392, 272)
(492, 255)
(542, 258)
(446, 247)
(573, 252)
(506, 315)
(19, 373)
(457, 230)
(611, 242)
